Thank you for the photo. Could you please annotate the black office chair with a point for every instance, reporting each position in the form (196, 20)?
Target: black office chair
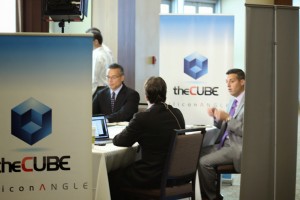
(180, 169)
(97, 90)
(223, 169)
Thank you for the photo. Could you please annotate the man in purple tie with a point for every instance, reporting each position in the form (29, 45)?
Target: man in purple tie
(230, 123)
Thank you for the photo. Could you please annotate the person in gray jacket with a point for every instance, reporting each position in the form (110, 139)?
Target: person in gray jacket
(231, 124)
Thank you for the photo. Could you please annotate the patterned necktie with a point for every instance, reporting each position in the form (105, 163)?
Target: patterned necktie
(231, 113)
(112, 101)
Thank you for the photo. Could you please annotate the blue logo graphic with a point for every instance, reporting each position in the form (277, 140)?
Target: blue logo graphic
(195, 65)
(31, 121)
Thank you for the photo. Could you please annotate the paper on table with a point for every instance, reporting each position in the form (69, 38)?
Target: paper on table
(118, 124)
(198, 126)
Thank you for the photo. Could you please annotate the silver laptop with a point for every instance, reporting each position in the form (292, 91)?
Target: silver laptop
(101, 131)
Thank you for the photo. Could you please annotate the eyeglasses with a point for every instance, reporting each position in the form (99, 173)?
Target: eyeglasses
(112, 77)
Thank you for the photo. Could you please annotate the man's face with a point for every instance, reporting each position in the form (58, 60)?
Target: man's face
(234, 85)
(95, 44)
(114, 78)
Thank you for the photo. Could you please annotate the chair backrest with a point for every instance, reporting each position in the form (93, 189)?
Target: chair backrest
(178, 178)
(185, 155)
(183, 158)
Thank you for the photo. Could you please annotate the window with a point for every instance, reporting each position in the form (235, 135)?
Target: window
(189, 6)
(189, 9)
(205, 10)
(8, 16)
(165, 7)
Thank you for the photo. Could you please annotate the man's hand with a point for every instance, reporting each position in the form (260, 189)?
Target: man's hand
(220, 115)
(211, 111)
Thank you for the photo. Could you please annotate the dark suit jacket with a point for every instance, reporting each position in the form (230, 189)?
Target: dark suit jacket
(125, 106)
(152, 129)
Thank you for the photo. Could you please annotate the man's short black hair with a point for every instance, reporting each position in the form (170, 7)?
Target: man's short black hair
(93, 29)
(240, 73)
(96, 34)
(116, 66)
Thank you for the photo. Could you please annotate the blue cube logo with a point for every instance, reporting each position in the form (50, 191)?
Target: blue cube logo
(31, 121)
(195, 65)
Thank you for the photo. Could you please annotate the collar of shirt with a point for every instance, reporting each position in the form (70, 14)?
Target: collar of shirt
(239, 98)
(149, 105)
(116, 91)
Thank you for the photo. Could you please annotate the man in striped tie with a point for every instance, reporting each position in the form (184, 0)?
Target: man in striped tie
(117, 101)
(231, 124)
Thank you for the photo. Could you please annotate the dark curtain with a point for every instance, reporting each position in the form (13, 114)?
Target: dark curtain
(30, 16)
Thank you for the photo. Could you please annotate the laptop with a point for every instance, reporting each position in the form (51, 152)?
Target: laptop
(101, 131)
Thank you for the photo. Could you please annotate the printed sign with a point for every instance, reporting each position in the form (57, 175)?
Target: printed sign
(45, 114)
(195, 53)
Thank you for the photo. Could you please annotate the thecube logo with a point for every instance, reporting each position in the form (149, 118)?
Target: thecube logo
(31, 121)
(195, 65)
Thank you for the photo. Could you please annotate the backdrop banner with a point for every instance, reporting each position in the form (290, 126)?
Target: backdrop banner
(45, 114)
(195, 53)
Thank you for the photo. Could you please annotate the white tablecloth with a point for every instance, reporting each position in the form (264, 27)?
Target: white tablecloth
(105, 159)
(110, 157)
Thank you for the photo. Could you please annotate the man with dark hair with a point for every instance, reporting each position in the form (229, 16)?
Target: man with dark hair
(101, 60)
(152, 129)
(117, 101)
(231, 124)
(156, 90)
(106, 48)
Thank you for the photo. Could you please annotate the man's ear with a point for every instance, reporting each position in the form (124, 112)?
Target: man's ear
(122, 78)
(243, 82)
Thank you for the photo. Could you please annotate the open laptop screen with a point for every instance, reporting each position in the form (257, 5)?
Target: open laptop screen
(99, 122)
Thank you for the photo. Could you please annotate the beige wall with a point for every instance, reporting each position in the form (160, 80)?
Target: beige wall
(147, 42)
(105, 17)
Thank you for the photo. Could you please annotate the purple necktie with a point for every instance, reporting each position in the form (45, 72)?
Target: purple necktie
(112, 101)
(231, 113)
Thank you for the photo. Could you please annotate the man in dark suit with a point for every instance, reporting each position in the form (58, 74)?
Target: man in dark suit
(152, 129)
(117, 101)
(231, 125)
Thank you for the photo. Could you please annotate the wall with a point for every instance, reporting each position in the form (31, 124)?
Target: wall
(105, 17)
(297, 3)
(147, 42)
(237, 8)
(268, 53)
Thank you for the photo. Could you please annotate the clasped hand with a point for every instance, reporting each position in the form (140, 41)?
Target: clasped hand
(217, 114)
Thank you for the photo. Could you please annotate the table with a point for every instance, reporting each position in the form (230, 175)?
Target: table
(105, 159)
(211, 135)
(109, 157)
